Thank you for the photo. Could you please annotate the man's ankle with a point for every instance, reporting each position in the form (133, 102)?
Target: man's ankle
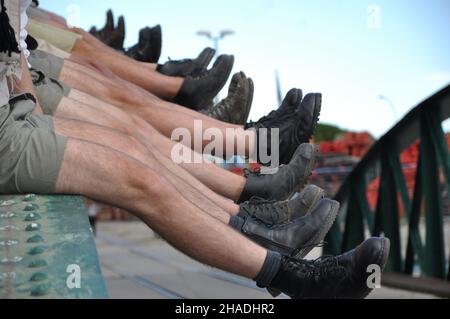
(269, 270)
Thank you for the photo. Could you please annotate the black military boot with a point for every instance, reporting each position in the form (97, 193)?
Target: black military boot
(156, 43)
(294, 128)
(111, 36)
(235, 108)
(290, 104)
(148, 49)
(198, 91)
(297, 237)
(183, 68)
(288, 179)
(276, 212)
(344, 276)
(117, 38)
(142, 51)
(107, 29)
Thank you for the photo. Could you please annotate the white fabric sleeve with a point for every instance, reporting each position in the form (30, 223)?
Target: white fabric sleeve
(24, 4)
(10, 65)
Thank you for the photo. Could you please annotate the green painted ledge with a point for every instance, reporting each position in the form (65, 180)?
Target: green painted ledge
(41, 238)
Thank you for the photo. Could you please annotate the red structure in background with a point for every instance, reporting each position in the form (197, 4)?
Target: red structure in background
(355, 146)
(349, 144)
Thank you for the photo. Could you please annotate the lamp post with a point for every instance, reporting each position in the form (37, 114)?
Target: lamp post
(216, 38)
(391, 104)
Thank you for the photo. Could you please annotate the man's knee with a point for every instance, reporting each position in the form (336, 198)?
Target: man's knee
(83, 47)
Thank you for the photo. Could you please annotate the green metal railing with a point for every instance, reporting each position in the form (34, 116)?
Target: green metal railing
(46, 242)
(357, 220)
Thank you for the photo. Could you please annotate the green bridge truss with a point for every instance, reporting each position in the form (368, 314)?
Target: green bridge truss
(424, 248)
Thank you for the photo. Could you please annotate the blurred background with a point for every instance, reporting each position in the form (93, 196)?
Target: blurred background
(373, 61)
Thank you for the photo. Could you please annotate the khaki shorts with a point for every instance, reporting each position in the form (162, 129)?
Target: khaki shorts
(45, 46)
(36, 13)
(60, 38)
(48, 63)
(49, 91)
(31, 153)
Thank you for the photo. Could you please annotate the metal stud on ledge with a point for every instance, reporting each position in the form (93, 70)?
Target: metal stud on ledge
(31, 207)
(31, 217)
(35, 239)
(33, 227)
(29, 198)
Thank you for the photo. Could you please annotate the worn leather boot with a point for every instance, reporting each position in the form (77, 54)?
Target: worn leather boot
(343, 277)
(197, 91)
(183, 68)
(294, 128)
(276, 212)
(111, 36)
(235, 108)
(287, 180)
(290, 104)
(148, 49)
(297, 237)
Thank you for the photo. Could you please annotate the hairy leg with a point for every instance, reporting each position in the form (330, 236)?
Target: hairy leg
(205, 199)
(82, 106)
(133, 71)
(94, 65)
(120, 91)
(162, 115)
(111, 177)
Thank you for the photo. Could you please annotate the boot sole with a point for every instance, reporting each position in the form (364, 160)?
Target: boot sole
(382, 259)
(317, 110)
(316, 118)
(156, 43)
(249, 101)
(204, 104)
(319, 196)
(319, 237)
(310, 169)
(206, 60)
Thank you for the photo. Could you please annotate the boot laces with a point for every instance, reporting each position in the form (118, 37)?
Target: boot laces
(262, 171)
(265, 211)
(248, 172)
(322, 268)
(273, 119)
(200, 75)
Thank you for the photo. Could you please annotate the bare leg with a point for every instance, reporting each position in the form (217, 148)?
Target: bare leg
(82, 106)
(162, 115)
(133, 71)
(204, 199)
(93, 65)
(111, 177)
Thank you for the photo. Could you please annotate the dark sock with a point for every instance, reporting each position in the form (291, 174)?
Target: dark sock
(272, 263)
(269, 270)
(236, 222)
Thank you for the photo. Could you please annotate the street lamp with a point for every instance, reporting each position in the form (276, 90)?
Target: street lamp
(216, 38)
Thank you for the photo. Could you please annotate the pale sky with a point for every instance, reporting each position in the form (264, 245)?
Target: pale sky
(349, 50)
